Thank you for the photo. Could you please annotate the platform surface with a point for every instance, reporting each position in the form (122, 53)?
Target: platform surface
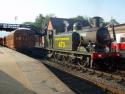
(20, 74)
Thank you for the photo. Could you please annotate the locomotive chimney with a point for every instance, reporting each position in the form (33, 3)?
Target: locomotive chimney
(97, 22)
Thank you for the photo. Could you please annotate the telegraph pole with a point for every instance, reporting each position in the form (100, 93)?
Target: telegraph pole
(16, 18)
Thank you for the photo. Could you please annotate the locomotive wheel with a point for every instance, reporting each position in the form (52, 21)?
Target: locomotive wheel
(53, 57)
(85, 62)
(61, 58)
(65, 60)
(58, 58)
(105, 65)
(96, 66)
(70, 60)
(49, 55)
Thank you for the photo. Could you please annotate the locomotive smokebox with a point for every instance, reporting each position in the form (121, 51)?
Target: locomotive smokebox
(97, 22)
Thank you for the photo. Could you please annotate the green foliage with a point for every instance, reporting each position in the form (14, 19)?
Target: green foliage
(40, 22)
(28, 23)
(113, 21)
(106, 23)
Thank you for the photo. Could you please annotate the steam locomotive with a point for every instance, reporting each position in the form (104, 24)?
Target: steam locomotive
(86, 46)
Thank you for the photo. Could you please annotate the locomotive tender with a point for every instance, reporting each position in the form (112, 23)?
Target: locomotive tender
(87, 46)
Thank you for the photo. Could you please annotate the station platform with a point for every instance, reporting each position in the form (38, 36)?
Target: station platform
(20, 74)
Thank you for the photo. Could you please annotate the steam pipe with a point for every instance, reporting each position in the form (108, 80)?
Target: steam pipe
(113, 30)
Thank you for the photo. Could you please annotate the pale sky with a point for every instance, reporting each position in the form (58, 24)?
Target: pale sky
(27, 10)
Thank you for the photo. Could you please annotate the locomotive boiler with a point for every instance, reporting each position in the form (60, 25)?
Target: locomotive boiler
(96, 39)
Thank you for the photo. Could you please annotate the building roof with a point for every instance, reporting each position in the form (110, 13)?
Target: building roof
(33, 28)
(120, 25)
(59, 24)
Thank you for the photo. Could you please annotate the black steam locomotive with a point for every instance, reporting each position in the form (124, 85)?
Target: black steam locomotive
(86, 46)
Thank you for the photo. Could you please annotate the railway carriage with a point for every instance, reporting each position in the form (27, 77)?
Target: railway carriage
(20, 39)
(119, 44)
(1, 41)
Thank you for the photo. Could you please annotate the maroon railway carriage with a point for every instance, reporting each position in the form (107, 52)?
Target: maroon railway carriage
(1, 41)
(20, 39)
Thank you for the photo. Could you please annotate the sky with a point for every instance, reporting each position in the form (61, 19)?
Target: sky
(28, 10)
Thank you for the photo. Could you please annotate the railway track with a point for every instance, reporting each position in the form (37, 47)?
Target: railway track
(79, 86)
(113, 82)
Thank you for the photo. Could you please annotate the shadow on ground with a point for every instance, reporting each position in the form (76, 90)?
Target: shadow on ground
(77, 85)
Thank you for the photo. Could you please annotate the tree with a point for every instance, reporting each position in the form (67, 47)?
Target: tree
(47, 17)
(106, 23)
(40, 22)
(28, 23)
(113, 21)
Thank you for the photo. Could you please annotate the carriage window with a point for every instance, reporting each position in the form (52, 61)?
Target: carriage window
(18, 38)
